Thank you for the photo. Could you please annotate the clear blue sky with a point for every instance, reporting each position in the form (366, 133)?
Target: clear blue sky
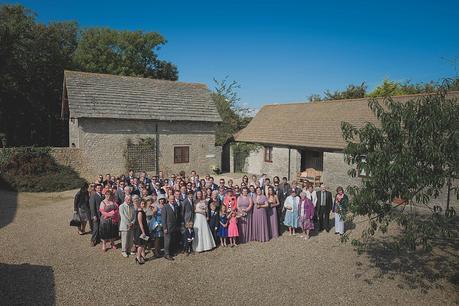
(283, 51)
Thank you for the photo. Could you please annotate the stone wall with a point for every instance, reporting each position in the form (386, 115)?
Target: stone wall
(255, 163)
(335, 171)
(72, 158)
(103, 143)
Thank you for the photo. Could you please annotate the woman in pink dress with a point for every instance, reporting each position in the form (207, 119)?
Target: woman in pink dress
(233, 232)
(260, 227)
(273, 202)
(108, 227)
(244, 209)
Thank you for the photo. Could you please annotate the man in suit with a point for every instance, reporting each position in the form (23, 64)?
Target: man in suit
(212, 185)
(187, 215)
(282, 194)
(323, 208)
(171, 225)
(119, 194)
(94, 203)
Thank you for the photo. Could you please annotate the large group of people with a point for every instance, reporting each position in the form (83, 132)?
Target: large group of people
(187, 214)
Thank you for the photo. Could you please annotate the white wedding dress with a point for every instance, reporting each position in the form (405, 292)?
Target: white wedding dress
(203, 239)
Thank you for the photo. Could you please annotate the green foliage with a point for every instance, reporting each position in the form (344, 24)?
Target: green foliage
(387, 88)
(351, 92)
(393, 88)
(234, 116)
(411, 155)
(33, 170)
(32, 59)
(131, 53)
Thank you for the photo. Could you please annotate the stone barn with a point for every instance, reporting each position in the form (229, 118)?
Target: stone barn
(299, 136)
(119, 123)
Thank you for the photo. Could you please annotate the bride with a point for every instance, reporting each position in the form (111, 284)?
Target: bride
(203, 240)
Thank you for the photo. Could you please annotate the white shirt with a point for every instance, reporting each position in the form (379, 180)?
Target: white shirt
(312, 196)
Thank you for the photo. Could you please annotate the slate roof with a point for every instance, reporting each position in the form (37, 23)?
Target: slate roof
(94, 95)
(315, 125)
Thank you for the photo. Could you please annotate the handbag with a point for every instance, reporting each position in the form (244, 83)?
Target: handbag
(75, 221)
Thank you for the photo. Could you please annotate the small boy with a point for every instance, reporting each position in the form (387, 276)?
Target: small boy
(189, 234)
(213, 220)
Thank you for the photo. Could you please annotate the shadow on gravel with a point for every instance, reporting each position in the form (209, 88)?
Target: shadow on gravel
(26, 285)
(419, 269)
(8, 204)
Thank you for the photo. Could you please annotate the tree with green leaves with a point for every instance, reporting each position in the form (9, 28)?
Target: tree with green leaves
(234, 116)
(351, 92)
(131, 53)
(412, 155)
(33, 57)
(394, 88)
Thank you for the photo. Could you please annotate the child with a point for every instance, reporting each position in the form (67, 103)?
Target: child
(213, 220)
(223, 231)
(233, 232)
(189, 234)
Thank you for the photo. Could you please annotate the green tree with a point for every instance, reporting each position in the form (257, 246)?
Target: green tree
(32, 59)
(131, 53)
(393, 88)
(234, 116)
(411, 155)
(351, 92)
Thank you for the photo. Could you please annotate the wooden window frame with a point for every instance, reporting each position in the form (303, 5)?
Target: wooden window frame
(184, 154)
(361, 172)
(268, 154)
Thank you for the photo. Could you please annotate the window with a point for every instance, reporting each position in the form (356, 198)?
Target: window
(181, 155)
(361, 171)
(269, 154)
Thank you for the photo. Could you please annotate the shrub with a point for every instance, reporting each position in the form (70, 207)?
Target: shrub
(35, 170)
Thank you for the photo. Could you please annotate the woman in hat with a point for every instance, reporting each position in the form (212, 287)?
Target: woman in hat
(291, 211)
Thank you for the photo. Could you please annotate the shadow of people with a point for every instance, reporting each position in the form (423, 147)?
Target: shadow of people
(8, 204)
(27, 285)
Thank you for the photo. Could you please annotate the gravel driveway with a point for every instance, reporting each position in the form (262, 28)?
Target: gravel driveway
(44, 261)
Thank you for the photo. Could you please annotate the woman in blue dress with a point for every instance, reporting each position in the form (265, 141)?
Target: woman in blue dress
(291, 212)
(156, 227)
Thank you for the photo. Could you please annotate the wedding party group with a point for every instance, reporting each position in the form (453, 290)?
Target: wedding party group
(187, 214)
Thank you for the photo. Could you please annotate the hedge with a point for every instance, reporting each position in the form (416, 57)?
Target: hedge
(34, 169)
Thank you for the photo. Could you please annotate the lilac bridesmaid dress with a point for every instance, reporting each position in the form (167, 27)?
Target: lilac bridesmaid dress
(273, 222)
(260, 227)
(245, 222)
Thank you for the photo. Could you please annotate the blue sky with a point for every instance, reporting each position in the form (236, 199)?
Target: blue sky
(284, 51)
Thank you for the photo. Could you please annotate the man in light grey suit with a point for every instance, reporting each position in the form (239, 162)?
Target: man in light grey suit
(127, 219)
(170, 216)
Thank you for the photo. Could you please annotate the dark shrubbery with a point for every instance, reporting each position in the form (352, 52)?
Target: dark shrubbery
(34, 169)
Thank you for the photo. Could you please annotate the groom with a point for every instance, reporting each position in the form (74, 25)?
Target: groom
(170, 215)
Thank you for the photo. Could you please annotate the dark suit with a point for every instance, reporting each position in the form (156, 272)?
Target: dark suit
(214, 221)
(323, 210)
(119, 196)
(170, 218)
(189, 236)
(187, 211)
(94, 204)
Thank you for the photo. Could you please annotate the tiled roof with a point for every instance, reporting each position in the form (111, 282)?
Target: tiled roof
(93, 95)
(309, 124)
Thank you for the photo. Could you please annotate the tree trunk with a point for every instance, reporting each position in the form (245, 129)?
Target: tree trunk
(448, 197)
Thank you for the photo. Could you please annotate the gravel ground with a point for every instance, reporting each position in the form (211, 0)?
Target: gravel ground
(44, 261)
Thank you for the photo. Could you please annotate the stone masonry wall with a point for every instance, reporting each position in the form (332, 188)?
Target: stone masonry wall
(335, 174)
(103, 143)
(255, 163)
(335, 171)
